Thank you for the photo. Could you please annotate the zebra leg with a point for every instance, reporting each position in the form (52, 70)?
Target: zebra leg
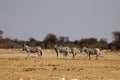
(99, 54)
(66, 53)
(57, 51)
(38, 52)
(96, 56)
(41, 53)
(57, 55)
(74, 54)
(28, 54)
(89, 56)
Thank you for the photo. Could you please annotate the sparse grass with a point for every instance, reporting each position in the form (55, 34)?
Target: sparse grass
(14, 65)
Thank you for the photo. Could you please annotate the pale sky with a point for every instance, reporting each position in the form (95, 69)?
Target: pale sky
(76, 19)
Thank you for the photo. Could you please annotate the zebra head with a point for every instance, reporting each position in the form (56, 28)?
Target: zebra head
(24, 47)
(84, 49)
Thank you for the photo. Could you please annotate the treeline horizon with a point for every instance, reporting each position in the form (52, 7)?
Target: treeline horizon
(51, 39)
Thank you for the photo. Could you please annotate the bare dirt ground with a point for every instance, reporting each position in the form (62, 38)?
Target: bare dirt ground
(15, 65)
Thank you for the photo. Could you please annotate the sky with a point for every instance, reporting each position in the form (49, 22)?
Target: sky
(76, 19)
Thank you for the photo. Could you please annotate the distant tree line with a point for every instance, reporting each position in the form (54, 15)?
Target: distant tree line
(51, 39)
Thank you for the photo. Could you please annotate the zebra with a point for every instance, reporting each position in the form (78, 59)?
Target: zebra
(61, 49)
(29, 49)
(91, 51)
(65, 50)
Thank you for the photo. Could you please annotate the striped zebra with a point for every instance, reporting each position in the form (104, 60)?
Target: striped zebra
(65, 50)
(91, 51)
(61, 49)
(29, 49)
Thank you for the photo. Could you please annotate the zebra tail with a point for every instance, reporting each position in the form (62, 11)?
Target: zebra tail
(41, 53)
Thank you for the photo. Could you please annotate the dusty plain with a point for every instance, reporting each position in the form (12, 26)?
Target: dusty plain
(15, 65)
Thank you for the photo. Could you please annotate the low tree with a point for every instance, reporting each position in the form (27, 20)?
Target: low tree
(32, 41)
(63, 39)
(115, 45)
(102, 44)
(88, 42)
(116, 36)
(50, 40)
(1, 34)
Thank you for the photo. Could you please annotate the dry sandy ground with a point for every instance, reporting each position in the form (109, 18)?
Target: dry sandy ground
(14, 65)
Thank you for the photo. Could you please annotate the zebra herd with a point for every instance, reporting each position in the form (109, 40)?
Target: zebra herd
(65, 50)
